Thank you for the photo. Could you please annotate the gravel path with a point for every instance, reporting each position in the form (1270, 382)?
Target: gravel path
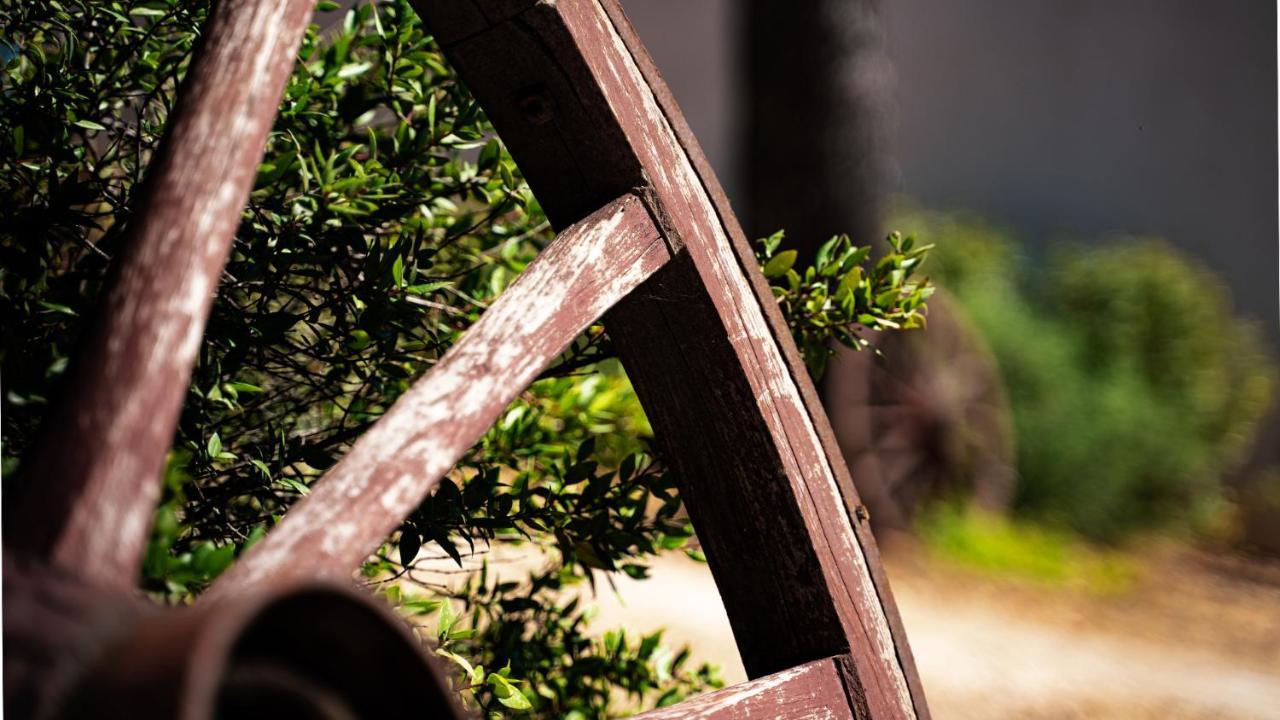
(978, 662)
(995, 651)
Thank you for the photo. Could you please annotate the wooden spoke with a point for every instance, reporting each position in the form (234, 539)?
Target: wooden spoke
(819, 690)
(583, 110)
(93, 481)
(577, 101)
(388, 472)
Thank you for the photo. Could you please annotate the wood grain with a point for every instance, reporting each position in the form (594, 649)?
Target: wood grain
(778, 326)
(91, 484)
(813, 691)
(584, 113)
(398, 461)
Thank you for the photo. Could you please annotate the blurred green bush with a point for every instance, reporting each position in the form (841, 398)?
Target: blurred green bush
(1014, 548)
(1134, 388)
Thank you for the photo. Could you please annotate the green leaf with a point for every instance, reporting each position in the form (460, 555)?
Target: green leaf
(823, 256)
(457, 660)
(410, 543)
(210, 560)
(58, 308)
(489, 155)
(508, 694)
(427, 288)
(638, 572)
(887, 298)
(88, 125)
(397, 271)
(262, 468)
(628, 467)
(447, 620)
(855, 258)
(255, 535)
(780, 264)
(772, 242)
(244, 387)
(214, 446)
(420, 606)
(353, 70)
(294, 485)
(359, 339)
(649, 644)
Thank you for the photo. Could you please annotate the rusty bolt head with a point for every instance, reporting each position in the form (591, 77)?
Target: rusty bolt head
(536, 106)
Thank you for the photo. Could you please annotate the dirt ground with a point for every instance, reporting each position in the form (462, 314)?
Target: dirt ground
(1196, 635)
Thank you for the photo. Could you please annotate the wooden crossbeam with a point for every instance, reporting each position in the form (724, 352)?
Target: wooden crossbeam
(401, 459)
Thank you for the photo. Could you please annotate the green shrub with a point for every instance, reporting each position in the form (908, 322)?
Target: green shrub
(1145, 308)
(1132, 384)
(838, 298)
(386, 216)
(1023, 550)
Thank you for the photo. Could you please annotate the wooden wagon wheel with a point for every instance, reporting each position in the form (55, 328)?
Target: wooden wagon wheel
(929, 420)
(646, 236)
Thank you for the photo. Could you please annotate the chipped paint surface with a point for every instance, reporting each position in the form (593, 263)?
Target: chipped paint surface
(806, 692)
(401, 459)
(779, 400)
(101, 459)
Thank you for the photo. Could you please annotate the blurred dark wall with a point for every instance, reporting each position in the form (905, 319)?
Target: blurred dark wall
(694, 43)
(1065, 118)
(1090, 117)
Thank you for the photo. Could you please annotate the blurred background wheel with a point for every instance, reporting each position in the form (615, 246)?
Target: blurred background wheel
(926, 420)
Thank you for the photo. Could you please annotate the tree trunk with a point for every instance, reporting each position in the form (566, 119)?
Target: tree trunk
(817, 87)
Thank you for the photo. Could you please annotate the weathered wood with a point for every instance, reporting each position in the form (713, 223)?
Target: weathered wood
(53, 623)
(76, 650)
(93, 481)
(813, 691)
(584, 113)
(778, 327)
(398, 461)
(547, 105)
(783, 553)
